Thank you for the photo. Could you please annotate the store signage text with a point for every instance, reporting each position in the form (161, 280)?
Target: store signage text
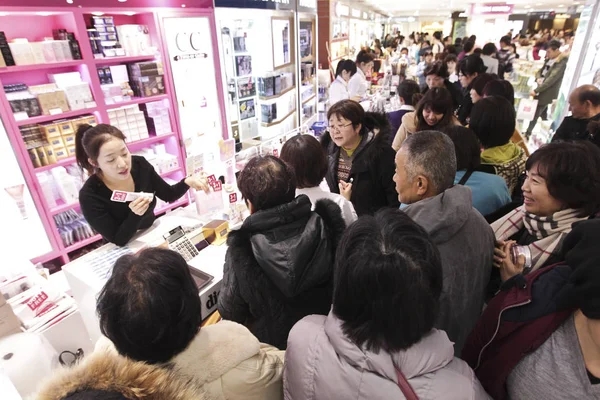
(308, 4)
(492, 9)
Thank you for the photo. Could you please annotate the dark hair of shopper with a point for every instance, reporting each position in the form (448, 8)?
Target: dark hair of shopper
(478, 51)
(451, 49)
(554, 45)
(466, 146)
(458, 41)
(267, 182)
(345, 65)
(387, 282)
(506, 40)
(493, 121)
(572, 173)
(307, 158)
(489, 49)
(407, 90)
(471, 65)
(437, 35)
(150, 308)
(403, 49)
(438, 68)
(347, 109)
(439, 101)
(473, 38)
(468, 47)
(500, 88)
(88, 141)
(481, 81)
(364, 57)
(451, 58)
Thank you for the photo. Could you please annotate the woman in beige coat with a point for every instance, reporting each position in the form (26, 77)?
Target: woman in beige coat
(150, 311)
(434, 112)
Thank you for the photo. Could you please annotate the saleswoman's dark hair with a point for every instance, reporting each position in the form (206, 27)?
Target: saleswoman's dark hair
(572, 173)
(364, 57)
(345, 65)
(88, 141)
(471, 65)
(439, 101)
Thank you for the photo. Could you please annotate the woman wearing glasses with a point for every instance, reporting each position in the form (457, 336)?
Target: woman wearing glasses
(360, 159)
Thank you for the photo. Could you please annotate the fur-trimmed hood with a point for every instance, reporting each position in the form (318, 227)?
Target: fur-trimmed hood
(220, 355)
(109, 372)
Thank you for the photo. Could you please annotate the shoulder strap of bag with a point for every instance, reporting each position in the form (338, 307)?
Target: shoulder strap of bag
(405, 387)
(465, 177)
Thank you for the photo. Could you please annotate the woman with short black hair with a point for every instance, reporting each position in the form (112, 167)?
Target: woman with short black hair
(358, 84)
(434, 112)
(279, 264)
(469, 68)
(493, 121)
(479, 84)
(150, 315)
(338, 90)
(360, 159)
(307, 158)
(489, 191)
(380, 331)
(562, 187)
(436, 75)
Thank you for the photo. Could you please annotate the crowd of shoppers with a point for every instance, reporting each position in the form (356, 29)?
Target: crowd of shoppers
(444, 262)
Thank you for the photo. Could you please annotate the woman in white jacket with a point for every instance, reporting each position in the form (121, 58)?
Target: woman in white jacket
(338, 90)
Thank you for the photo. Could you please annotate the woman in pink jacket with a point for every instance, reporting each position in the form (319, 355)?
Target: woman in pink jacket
(378, 341)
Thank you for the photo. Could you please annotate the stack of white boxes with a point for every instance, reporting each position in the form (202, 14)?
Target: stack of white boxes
(76, 90)
(131, 121)
(157, 114)
(158, 157)
(48, 51)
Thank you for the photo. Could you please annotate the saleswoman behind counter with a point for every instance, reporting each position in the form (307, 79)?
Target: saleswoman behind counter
(103, 153)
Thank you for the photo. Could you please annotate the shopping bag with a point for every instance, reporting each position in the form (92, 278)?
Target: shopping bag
(527, 109)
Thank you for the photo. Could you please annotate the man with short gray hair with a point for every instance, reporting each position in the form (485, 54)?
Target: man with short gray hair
(584, 104)
(425, 170)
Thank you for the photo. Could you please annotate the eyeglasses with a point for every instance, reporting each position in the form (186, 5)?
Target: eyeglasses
(332, 128)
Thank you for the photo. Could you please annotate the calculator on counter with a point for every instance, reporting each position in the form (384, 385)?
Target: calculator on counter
(179, 242)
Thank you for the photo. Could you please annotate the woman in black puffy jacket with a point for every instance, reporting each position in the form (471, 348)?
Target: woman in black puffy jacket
(279, 265)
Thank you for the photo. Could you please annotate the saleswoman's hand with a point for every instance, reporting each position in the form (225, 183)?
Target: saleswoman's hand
(345, 189)
(508, 269)
(198, 182)
(140, 205)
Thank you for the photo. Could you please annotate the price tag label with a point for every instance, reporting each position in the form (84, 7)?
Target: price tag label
(55, 111)
(217, 187)
(211, 180)
(233, 198)
(276, 152)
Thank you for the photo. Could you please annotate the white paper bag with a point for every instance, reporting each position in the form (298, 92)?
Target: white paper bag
(527, 109)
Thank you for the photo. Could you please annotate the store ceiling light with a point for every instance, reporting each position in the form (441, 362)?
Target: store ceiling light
(130, 13)
(121, 1)
(44, 14)
(69, 1)
(98, 13)
(183, 5)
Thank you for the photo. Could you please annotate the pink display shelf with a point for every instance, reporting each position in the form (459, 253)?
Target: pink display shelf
(122, 60)
(36, 67)
(137, 100)
(47, 118)
(34, 20)
(83, 243)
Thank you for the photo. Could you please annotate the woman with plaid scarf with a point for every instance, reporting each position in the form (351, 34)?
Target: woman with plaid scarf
(562, 187)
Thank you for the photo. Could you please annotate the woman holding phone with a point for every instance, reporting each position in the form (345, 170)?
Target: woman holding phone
(103, 153)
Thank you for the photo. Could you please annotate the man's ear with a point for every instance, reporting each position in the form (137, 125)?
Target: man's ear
(422, 185)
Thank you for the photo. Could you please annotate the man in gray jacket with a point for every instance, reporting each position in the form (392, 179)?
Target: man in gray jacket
(549, 79)
(425, 170)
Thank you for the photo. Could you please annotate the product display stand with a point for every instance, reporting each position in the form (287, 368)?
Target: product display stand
(144, 116)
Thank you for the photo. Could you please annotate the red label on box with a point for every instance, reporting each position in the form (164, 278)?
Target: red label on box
(217, 186)
(276, 152)
(233, 198)
(211, 180)
(36, 301)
